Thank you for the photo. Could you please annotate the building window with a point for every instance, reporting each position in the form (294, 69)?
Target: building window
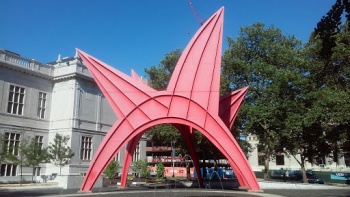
(116, 158)
(12, 141)
(320, 161)
(16, 100)
(86, 148)
(42, 105)
(39, 141)
(136, 155)
(280, 160)
(8, 170)
(36, 171)
(347, 159)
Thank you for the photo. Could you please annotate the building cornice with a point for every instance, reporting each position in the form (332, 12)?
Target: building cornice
(64, 69)
(72, 76)
(25, 70)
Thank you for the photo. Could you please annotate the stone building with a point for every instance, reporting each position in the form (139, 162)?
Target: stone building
(39, 100)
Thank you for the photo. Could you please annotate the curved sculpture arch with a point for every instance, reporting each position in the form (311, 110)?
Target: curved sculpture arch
(190, 101)
(186, 133)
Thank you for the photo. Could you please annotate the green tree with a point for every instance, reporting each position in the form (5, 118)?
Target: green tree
(60, 153)
(164, 134)
(327, 27)
(339, 122)
(160, 75)
(320, 127)
(328, 91)
(3, 149)
(160, 170)
(17, 154)
(35, 154)
(269, 63)
(140, 167)
(112, 169)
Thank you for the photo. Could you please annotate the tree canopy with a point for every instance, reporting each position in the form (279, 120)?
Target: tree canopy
(298, 95)
(270, 63)
(329, 75)
(160, 75)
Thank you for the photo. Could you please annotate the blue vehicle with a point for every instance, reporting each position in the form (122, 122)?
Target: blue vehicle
(220, 173)
(295, 175)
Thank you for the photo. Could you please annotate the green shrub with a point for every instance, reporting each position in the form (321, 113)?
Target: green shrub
(112, 170)
(141, 168)
(130, 178)
(160, 170)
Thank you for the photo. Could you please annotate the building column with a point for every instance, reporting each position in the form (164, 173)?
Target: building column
(98, 112)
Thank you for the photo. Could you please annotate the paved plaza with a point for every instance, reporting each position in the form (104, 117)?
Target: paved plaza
(271, 189)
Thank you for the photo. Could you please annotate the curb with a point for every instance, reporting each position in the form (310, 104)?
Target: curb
(7, 186)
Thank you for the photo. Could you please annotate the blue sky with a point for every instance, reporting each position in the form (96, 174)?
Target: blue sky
(137, 33)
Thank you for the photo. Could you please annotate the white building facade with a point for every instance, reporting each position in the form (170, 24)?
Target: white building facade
(39, 100)
(288, 162)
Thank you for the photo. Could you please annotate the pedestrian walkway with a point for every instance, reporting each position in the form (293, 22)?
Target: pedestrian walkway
(28, 186)
(300, 186)
(270, 189)
(263, 185)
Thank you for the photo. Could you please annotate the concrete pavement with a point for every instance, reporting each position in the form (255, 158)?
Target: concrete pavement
(263, 185)
(300, 186)
(270, 188)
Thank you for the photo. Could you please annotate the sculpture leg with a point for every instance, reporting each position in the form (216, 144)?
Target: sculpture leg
(227, 145)
(111, 144)
(130, 149)
(187, 135)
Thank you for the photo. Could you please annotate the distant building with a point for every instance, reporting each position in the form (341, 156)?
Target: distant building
(39, 100)
(289, 162)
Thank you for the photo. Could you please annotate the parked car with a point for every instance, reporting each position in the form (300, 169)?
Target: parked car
(311, 178)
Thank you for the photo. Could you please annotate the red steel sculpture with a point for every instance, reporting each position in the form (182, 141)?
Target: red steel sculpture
(191, 101)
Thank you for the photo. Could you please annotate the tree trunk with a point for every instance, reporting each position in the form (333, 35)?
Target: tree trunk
(303, 171)
(267, 167)
(188, 170)
(301, 163)
(267, 152)
(33, 174)
(21, 173)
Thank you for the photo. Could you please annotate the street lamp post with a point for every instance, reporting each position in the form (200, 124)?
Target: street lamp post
(173, 155)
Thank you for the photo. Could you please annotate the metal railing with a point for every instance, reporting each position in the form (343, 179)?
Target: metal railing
(18, 60)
